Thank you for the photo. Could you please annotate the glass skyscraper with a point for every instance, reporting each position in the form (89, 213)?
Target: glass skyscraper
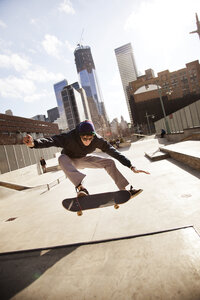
(58, 87)
(73, 106)
(127, 69)
(89, 82)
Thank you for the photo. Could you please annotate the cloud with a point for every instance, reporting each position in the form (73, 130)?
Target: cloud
(14, 61)
(34, 21)
(70, 47)
(42, 75)
(66, 7)
(2, 24)
(52, 45)
(36, 97)
(160, 26)
(16, 88)
(151, 18)
(56, 48)
(5, 45)
(23, 85)
(22, 89)
(27, 70)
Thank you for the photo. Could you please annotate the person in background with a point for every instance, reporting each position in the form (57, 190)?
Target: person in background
(43, 164)
(163, 132)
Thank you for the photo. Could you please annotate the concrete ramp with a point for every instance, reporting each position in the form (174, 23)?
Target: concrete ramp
(14, 186)
(7, 193)
(157, 266)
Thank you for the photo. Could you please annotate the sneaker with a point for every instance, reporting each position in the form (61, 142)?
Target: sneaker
(134, 192)
(81, 191)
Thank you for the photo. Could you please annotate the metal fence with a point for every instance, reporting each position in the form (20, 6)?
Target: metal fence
(13, 157)
(187, 117)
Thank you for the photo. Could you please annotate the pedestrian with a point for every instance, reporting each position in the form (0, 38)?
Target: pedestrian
(163, 132)
(77, 144)
(43, 164)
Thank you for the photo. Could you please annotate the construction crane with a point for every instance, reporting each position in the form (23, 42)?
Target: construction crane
(81, 38)
(198, 26)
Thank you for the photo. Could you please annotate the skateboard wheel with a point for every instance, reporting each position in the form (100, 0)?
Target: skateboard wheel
(116, 206)
(79, 213)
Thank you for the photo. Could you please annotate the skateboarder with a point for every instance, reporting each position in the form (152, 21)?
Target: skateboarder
(77, 144)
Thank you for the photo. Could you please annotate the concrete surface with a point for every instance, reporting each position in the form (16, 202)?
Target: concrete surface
(170, 199)
(160, 266)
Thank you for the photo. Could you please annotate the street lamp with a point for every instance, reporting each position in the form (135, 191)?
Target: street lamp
(163, 109)
(149, 116)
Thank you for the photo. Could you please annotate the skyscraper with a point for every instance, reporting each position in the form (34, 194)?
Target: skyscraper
(58, 87)
(88, 79)
(127, 69)
(73, 106)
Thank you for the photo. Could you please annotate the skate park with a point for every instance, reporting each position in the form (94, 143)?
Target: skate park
(147, 249)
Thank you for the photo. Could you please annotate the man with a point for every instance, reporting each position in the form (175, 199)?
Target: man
(163, 132)
(77, 144)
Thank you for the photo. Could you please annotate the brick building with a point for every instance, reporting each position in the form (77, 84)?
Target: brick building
(13, 128)
(178, 89)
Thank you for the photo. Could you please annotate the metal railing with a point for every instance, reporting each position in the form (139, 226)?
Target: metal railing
(187, 117)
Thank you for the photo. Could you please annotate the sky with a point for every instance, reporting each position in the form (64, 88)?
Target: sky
(38, 39)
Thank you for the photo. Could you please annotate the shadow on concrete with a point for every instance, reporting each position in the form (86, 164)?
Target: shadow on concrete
(184, 167)
(18, 271)
(163, 141)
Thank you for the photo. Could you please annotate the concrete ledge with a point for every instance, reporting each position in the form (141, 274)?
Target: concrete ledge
(187, 152)
(155, 156)
(191, 161)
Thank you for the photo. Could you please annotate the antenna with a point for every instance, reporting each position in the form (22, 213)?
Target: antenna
(81, 38)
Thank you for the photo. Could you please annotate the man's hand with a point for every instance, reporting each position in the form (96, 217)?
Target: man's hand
(134, 169)
(28, 140)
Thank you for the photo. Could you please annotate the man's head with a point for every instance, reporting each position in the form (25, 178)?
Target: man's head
(87, 132)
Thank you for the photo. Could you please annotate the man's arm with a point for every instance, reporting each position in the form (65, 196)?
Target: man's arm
(110, 150)
(56, 141)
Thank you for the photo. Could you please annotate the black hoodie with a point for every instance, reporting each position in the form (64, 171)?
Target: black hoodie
(74, 148)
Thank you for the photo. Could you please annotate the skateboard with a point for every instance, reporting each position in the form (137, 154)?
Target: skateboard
(78, 204)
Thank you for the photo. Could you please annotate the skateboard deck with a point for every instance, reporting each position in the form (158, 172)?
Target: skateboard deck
(78, 204)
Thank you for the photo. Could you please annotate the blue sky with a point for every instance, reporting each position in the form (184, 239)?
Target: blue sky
(38, 37)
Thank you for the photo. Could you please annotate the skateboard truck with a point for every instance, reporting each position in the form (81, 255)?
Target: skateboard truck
(79, 213)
